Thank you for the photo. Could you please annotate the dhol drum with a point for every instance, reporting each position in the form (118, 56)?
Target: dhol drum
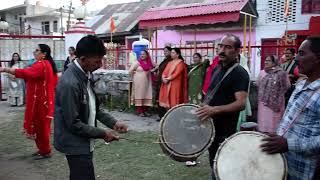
(240, 157)
(182, 135)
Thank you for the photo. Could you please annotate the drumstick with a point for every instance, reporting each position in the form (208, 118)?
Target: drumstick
(133, 140)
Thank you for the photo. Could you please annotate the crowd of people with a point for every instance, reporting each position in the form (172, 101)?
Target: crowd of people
(288, 99)
(229, 105)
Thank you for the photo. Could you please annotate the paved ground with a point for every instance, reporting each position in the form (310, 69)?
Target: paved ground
(13, 167)
(137, 123)
(17, 167)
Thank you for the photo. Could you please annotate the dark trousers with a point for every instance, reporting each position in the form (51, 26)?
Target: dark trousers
(81, 167)
(213, 150)
(317, 171)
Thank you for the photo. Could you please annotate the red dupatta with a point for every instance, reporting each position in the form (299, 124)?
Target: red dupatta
(147, 66)
(208, 75)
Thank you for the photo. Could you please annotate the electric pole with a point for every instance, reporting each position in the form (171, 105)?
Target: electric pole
(61, 21)
(69, 14)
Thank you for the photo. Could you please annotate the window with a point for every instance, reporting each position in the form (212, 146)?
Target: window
(16, 17)
(310, 6)
(55, 26)
(277, 11)
(45, 27)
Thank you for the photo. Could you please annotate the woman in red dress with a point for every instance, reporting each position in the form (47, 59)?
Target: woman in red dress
(41, 79)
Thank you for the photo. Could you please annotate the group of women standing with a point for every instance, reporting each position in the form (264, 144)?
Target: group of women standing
(170, 80)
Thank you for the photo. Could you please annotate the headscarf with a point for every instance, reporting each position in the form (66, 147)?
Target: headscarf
(146, 64)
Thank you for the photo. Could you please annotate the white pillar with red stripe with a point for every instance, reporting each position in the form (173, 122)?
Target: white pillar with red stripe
(78, 31)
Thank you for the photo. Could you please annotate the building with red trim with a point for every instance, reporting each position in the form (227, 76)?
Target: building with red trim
(302, 21)
(199, 23)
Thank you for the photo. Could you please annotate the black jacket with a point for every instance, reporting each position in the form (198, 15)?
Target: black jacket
(72, 133)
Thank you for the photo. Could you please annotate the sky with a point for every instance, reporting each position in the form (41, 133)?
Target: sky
(92, 5)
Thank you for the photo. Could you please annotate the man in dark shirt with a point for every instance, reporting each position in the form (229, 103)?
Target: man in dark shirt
(230, 98)
(291, 67)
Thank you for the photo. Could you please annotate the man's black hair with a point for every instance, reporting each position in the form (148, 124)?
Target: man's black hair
(90, 46)
(315, 44)
(292, 50)
(237, 41)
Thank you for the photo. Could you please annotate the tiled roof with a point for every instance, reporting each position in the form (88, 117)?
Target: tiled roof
(194, 10)
(132, 11)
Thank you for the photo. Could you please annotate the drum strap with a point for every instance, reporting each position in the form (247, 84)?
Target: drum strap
(298, 114)
(209, 96)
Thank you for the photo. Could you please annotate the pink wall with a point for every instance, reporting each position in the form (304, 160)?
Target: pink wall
(174, 37)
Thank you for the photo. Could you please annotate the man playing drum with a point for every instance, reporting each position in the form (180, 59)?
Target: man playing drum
(229, 97)
(298, 135)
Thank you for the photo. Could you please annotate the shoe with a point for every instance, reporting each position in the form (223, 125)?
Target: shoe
(35, 154)
(40, 157)
(191, 163)
(147, 114)
(142, 115)
(158, 120)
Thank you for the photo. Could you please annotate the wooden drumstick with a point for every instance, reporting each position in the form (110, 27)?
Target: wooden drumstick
(133, 140)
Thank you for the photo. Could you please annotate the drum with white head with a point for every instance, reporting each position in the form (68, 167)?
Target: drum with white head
(240, 157)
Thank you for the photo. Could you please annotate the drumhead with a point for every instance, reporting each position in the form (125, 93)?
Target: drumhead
(240, 157)
(182, 133)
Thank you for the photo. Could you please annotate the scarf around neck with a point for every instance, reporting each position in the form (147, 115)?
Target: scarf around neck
(146, 65)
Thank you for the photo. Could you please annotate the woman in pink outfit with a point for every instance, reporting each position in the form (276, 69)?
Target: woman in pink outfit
(273, 83)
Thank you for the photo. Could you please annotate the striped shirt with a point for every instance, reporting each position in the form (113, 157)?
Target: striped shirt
(302, 133)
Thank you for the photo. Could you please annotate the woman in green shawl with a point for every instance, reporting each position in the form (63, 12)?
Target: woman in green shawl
(196, 77)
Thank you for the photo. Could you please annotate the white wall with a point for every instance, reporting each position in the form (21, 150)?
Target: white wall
(72, 40)
(265, 29)
(36, 24)
(14, 24)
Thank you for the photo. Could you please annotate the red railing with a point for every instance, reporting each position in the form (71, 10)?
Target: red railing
(122, 54)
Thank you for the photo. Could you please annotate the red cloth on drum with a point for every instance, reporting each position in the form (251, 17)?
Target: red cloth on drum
(40, 86)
